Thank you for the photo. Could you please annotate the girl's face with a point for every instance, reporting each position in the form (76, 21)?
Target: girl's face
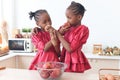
(44, 20)
(72, 18)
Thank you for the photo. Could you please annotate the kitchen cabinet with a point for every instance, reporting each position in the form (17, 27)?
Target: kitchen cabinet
(97, 64)
(9, 62)
(23, 62)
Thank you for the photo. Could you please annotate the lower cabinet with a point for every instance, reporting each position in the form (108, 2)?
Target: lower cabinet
(97, 64)
(23, 62)
(20, 62)
(9, 63)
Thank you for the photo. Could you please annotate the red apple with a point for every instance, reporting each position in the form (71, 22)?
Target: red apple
(18, 36)
(66, 25)
(47, 65)
(55, 73)
(44, 74)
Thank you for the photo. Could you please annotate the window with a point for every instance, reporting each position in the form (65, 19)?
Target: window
(3, 31)
(1, 10)
(7, 13)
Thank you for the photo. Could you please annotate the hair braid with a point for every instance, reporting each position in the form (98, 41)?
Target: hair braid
(77, 8)
(36, 14)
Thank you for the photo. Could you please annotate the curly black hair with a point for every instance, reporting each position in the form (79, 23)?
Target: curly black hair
(36, 14)
(77, 8)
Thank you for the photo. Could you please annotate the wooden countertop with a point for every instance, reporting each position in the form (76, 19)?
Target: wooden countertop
(24, 74)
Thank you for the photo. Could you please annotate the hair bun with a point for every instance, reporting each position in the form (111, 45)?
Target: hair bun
(32, 14)
(73, 2)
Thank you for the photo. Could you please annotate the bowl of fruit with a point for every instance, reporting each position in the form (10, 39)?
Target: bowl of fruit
(51, 70)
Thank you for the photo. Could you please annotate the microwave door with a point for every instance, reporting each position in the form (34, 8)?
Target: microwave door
(25, 47)
(16, 45)
(21, 45)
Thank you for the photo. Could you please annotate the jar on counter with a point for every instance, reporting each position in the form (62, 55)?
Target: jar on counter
(4, 37)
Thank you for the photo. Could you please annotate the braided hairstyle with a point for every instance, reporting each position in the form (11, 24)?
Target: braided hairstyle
(36, 14)
(77, 8)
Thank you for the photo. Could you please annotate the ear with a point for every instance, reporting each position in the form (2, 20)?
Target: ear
(37, 23)
(80, 17)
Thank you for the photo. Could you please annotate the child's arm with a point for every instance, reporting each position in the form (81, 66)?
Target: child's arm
(65, 44)
(54, 41)
(35, 40)
(78, 39)
(64, 28)
(35, 30)
(49, 44)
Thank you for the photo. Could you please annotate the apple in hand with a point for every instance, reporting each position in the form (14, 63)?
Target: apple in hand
(66, 25)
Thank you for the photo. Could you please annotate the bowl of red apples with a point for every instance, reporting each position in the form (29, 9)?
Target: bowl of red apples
(51, 70)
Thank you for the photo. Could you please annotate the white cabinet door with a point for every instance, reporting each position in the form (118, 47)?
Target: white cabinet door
(9, 63)
(23, 62)
(97, 64)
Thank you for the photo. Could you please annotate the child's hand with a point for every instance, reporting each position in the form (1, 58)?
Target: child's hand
(66, 25)
(64, 28)
(54, 38)
(49, 28)
(35, 30)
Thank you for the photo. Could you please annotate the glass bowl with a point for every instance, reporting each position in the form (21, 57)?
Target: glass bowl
(51, 70)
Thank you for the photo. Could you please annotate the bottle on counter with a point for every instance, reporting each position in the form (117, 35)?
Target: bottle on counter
(4, 37)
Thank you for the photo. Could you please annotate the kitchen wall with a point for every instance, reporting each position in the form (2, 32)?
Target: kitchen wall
(102, 17)
(7, 13)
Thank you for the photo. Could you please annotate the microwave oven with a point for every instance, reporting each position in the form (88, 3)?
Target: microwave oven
(20, 45)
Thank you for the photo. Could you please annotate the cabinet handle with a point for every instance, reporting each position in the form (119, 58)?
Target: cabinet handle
(2, 68)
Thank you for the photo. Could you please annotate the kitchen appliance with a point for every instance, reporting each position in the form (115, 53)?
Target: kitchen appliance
(20, 45)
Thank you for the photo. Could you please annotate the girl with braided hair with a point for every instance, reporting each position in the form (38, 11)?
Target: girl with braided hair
(73, 36)
(45, 41)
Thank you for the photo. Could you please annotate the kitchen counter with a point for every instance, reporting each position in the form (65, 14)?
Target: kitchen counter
(24, 74)
(88, 55)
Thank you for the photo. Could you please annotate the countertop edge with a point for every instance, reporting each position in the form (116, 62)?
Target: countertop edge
(88, 55)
